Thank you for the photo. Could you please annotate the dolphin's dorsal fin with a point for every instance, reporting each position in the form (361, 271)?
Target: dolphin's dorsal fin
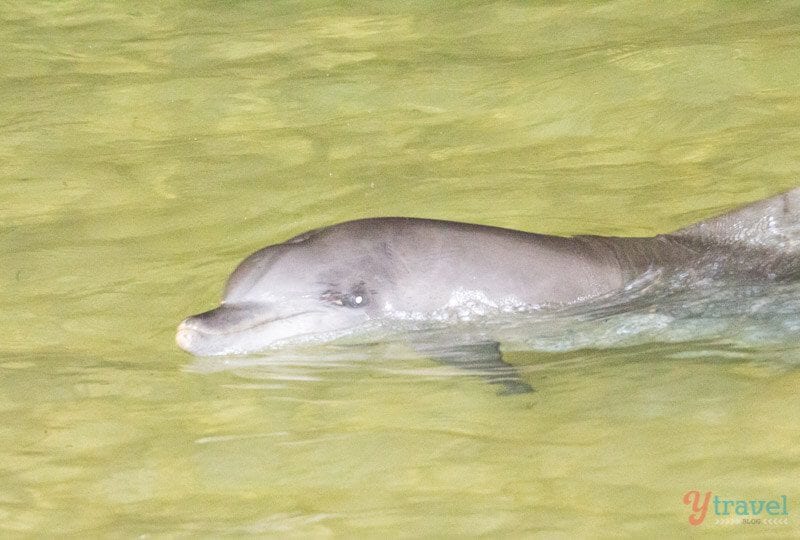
(771, 221)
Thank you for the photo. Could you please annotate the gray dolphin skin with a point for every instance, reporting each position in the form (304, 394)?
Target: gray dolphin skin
(335, 280)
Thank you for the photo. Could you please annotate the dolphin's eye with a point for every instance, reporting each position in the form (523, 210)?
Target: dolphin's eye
(356, 298)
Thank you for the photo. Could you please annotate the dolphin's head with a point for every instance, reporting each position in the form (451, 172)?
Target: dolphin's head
(299, 291)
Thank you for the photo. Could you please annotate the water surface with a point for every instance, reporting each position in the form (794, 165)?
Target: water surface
(146, 148)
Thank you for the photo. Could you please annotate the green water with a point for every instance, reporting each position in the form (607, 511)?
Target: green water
(145, 148)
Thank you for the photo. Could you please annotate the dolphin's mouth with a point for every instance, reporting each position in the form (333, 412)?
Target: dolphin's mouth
(232, 319)
(215, 331)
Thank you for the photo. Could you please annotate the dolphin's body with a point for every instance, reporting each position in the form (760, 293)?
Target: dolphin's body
(333, 281)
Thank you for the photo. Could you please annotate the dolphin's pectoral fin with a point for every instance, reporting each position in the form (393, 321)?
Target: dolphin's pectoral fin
(483, 358)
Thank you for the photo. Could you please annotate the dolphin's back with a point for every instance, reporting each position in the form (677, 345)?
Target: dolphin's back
(770, 221)
(761, 239)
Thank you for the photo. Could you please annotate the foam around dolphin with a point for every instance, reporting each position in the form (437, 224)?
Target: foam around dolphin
(339, 280)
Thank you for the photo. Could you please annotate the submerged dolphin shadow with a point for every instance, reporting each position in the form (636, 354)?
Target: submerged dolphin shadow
(316, 363)
(345, 280)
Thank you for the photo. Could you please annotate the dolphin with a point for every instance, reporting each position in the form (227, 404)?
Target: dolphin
(338, 280)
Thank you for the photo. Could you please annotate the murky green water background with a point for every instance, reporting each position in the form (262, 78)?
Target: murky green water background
(145, 148)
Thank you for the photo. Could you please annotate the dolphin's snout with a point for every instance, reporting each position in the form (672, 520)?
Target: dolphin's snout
(228, 318)
(200, 323)
(195, 334)
(183, 337)
(204, 332)
(192, 330)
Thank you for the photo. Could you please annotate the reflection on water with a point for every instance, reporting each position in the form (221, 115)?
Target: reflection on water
(145, 151)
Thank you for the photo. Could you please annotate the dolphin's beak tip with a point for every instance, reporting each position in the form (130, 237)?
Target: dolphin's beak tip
(183, 337)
